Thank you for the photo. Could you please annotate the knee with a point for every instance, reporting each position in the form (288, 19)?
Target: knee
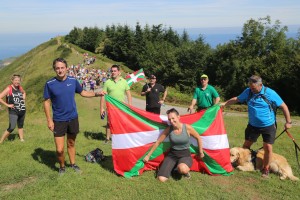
(183, 168)
(9, 130)
(162, 178)
(60, 152)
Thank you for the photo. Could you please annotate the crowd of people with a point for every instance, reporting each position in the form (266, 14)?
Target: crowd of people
(60, 91)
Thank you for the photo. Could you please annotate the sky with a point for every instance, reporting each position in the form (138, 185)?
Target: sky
(41, 16)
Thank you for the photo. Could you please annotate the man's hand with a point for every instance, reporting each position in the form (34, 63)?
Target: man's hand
(51, 125)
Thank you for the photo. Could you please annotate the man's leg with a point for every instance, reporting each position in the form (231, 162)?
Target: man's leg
(59, 143)
(71, 147)
(268, 148)
(247, 144)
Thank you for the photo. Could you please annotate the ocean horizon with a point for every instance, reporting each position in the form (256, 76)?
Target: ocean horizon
(17, 44)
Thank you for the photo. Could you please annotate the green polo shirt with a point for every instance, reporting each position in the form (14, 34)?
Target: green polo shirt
(205, 98)
(116, 89)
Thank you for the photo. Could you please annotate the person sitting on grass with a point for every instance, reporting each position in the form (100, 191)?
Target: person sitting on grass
(179, 154)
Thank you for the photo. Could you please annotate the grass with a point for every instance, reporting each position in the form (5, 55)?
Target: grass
(29, 170)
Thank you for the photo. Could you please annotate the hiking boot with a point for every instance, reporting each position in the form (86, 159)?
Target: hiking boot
(61, 171)
(265, 173)
(76, 168)
(187, 176)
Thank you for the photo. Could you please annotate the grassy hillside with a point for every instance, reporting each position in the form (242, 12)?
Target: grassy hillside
(29, 169)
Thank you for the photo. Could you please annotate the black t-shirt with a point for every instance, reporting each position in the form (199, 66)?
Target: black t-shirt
(152, 97)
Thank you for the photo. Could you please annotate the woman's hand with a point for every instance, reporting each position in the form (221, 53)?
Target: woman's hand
(201, 155)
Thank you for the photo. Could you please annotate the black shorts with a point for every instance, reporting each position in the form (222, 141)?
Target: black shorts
(268, 133)
(153, 110)
(173, 158)
(70, 127)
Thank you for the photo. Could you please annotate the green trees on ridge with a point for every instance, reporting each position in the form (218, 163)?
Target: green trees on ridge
(263, 48)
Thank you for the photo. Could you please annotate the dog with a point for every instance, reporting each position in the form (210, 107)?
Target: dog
(241, 159)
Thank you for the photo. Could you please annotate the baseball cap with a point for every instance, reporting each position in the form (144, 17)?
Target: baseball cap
(152, 77)
(203, 76)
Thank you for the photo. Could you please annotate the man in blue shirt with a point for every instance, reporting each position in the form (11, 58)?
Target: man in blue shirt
(60, 92)
(261, 103)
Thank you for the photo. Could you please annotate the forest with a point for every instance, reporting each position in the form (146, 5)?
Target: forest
(262, 48)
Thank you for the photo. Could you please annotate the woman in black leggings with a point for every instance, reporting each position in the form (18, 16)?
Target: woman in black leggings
(15, 101)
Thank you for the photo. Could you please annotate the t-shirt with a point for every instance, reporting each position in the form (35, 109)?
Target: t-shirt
(62, 96)
(205, 98)
(259, 112)
(116, 89)
(152, 97)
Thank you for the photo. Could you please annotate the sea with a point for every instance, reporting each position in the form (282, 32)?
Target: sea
(16, 44)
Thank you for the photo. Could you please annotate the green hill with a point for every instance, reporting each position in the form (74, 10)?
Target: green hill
(35, 67)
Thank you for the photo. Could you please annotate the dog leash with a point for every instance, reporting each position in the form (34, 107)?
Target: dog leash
(274, 139)
(297, 148)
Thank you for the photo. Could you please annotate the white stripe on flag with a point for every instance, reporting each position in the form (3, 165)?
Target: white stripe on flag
(213, 142)
(132, 140)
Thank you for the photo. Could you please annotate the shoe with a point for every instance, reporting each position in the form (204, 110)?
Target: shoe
(265, 173)
(22, 140)
(62, 171)
(76, 168)
(187, 176)
(106, 141)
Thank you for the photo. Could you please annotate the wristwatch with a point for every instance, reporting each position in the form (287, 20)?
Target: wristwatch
(290, 122)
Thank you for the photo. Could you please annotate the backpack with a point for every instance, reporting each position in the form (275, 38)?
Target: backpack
(273, 107)
(95, 156)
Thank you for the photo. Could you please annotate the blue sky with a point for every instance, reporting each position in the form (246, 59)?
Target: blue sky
(32, 16)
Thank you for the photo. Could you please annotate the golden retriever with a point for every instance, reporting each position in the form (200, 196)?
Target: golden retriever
(241, 159)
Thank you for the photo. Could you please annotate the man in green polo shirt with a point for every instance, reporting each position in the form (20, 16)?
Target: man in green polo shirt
(205, 95)
(115, 87)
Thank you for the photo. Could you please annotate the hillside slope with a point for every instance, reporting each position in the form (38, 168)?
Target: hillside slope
(35, 67)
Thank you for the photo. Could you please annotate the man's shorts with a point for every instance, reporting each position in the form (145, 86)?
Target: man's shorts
(173, 158)
(153, 110)
(268, 133)
(70, 127)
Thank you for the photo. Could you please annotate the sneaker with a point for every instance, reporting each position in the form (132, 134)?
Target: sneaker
(22, 140)
(62, 171)
(265, 173)
(187, 176)
(106, 141)
(76, 168)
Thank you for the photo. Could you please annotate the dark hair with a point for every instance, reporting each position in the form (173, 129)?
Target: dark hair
(59, 60)
(172, 110)
(115, 66)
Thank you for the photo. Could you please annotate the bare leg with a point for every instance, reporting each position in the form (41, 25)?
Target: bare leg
(4, 136)
(71, 148)
(268, 155)
(21, 134)
(59, 142)
(247, 144)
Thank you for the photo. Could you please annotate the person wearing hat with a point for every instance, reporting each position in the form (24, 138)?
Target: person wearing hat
(204, 96)
(262, 104)
(152, 92)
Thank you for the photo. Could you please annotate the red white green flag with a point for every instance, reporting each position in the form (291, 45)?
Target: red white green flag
(135, 77)
(134, 131)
